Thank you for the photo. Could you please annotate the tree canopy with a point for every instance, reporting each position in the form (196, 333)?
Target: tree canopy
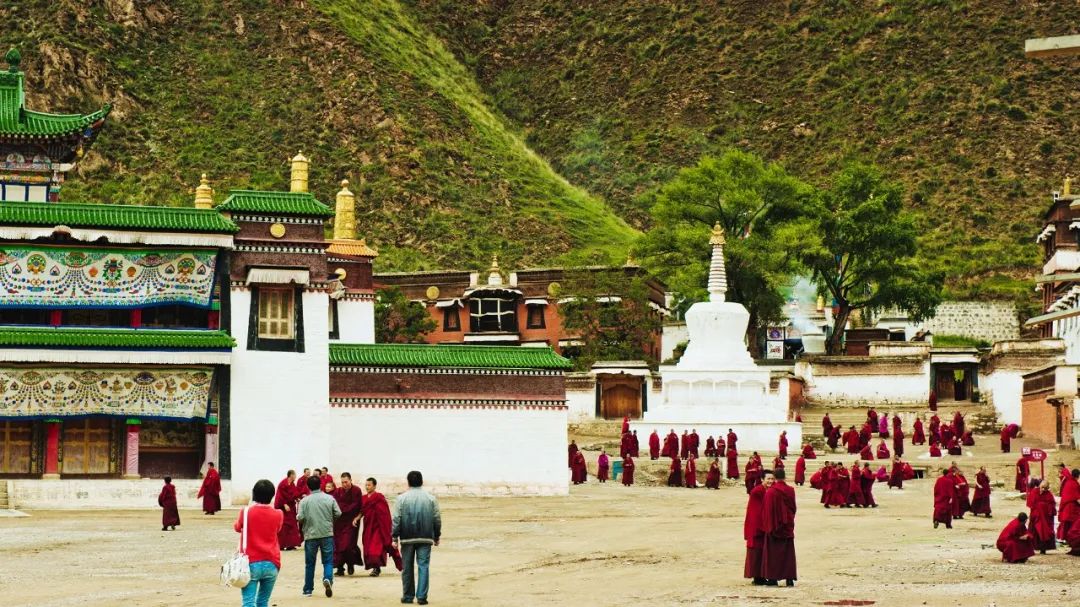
(398, 320)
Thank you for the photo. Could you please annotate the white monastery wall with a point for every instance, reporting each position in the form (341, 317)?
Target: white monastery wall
(460, 451)
(672, 336)
(279, 400)
(1003, 388)
(72, 494)
(582, 403)
(853, 388)
(356, 321)
(1068, 329)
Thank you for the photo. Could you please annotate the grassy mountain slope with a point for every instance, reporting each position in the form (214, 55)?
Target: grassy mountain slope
(618, 95)
(234, 88)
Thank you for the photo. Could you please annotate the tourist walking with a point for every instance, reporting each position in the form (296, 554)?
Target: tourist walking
(416, 528)
(210, 491)
(317, 514)
(261, 545)
(170, 516)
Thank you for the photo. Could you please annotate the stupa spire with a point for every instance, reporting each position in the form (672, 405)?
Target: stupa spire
(717, 274)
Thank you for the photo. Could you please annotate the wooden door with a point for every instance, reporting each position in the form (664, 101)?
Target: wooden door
(945, 384)
(15, 447)
(621, 399)
(86, 446)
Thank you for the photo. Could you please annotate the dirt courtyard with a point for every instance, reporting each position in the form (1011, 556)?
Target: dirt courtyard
(602, 545)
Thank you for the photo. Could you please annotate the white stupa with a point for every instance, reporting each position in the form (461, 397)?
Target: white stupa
(716, 386)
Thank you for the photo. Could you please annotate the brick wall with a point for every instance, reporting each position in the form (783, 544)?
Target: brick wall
(1040, 418)
(406, 382)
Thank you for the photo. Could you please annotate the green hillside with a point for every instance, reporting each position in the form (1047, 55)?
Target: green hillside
(445, 114)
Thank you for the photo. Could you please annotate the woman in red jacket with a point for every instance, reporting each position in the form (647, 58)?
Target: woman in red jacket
(264, 555)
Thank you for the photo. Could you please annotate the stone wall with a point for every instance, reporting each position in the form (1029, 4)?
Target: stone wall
(987, 320)
(79, 494)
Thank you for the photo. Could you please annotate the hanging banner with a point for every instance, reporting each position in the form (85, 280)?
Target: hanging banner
(165, 393)
(65, 277)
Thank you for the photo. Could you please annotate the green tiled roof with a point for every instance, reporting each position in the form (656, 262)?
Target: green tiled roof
(16, 120)
(278, 203)
(444, 355)
(75, 215)
(143, 339)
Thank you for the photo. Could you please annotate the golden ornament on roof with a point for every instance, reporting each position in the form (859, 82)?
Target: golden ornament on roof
(277, 230)
(432, 292)
(717, 235)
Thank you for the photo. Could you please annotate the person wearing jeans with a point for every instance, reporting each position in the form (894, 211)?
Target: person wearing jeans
(417, 526)
(264, 554)
(317, 514)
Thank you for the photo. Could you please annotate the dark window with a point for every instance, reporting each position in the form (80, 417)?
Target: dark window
(493, 314)
(24, 316)
(175, 317)
(96, 318)
(451, 318)
(536, 317)
(276, 319)
(335, 329)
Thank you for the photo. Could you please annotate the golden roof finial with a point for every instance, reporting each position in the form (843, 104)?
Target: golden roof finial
(717, 235)
(1066, 189)
(345, 213)
(298, 180)
(494, 263)
(204, 194)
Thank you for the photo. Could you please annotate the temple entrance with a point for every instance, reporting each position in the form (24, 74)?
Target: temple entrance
(168, 448)
(16, 447)
(954, 380)
(620, 396)
(86, 447)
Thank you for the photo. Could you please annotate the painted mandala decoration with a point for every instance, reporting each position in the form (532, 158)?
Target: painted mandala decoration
(62, 277)
(167, 393)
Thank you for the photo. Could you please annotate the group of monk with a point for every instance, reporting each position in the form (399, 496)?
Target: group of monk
(1033, 531)
(769, 531)
(951, 437)
(579, 469)
(953, 498)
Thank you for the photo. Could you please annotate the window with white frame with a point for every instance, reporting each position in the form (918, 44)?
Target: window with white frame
(491, 314)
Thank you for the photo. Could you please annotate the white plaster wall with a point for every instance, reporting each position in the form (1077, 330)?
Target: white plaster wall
(356, 321)
(1068, 329)
(672, 336)
(280, 415)
(459, 451)
(1003, 389)
(907, 388)
(582, 404)
(72, 494)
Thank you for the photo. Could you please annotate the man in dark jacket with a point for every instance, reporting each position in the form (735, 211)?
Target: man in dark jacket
(416, 528)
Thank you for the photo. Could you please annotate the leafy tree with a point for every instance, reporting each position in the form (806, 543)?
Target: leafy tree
(398, 320)
(760, 208)
(867, 259)
(611, 315)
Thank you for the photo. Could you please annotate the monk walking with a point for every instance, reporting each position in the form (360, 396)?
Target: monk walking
(754, 531)
(602, 464)
(579, 472)
(1023, 473)
(833, 439)
(625, 424)
(944, 494)
(868, 486)
(778, 521)
(671, 445)
(918, 435)
(1070, 505)
(961, 504)
(571, 451)
(1014, 542)
(627, 471)
(1008, 432)
(690, 473)
(1041, 526)
(346, 535)
(285, 499)
(898, 440)
(783, 444)
(654, 446)
(674, 478)
(732, 463)
(855, 493)
(896, 477)
(732, 438)
(800, 471)
(210, 491)
(376, 537)
(980, 502)
(712, 478)
(170, 515)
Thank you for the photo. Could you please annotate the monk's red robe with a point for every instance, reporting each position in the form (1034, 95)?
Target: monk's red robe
(944, 493)
(375, 537)
(210, 491)
(627, 471)
(855, 493)
(732, 439)
(962, 503)
(695, 443)
(896, 478)
(783, 446)
(635, 446)
(1014, 542)
(933, 400)
(671, 445)
(909, 472)
(778, 521)
(872, 418)
(824, 478)
(826, 425)
(710, 447)
(1072, 537)
(800, 471)
(1023, 473)
(754, 532)
(684, 445)
(898, 442)
(753, 474)
(967, 439)
(808, 451)
(935, 427)
(918, 436)
(654, 445)
(980, 502)
(712, 478)
(301, 487)
(1006, 439)
(626, 445)
(1070, 507)
(841, 487)
(571, 450)
(732, 463)
(580, 472)
(170, 515)
(817, 480)
(834, 439)
(602, 466)
(851, 441)
(882, 474)
(865, 435)
(285, 499)
(674, 478)
(1041, 519)
(866, 453)
(953, 446)
(883, 452)
(935, 450)
(868, 487)
(347, 537)
(721, 447)
(326, 479)
(625, 424)
(958, 424)
(690, 473)
(777, 463)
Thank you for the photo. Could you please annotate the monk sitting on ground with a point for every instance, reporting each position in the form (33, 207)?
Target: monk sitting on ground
(1015, 541)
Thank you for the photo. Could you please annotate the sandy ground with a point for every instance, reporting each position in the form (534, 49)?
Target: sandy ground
(602, 545)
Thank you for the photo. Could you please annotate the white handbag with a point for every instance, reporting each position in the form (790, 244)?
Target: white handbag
(236, 572)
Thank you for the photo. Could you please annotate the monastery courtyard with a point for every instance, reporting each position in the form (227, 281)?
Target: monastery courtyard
(601, 545)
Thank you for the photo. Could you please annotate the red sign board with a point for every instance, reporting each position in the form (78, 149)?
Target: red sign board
(1035, 455)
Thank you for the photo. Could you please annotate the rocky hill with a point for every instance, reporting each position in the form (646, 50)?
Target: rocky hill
(538, 128)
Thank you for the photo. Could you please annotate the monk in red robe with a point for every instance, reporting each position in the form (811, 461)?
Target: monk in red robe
(961, 502)
(778, 521)
(674, 478)
(625, 424)
(935, 429)
(817, 480)
(883, 451)
(1008, 432)
(721, 447)
(210, 491)
(909, 472)
(808, 451)
(855, 494)
(826, 426)
(935, 450)
(865, 435)
(918, 436)
(1041, 522)
(732, 463)
(777, 462)
(635, 446)
(800, 471)
(841, 486)
(783, 444)
(754, 531)
(866, 453)
(1014, 542)
(944, 494)
(712, 478)
(170, 515)
(896, 477)
(868, 486)
(285, 499)
(953, 446)
(980, 502)
(627, 471)
(690, 472)
(326, 477)
(671, 445)
(967, 439)
(872, 418)
(958, 423)
(579, 473)
(833, 440)
(753, 472)
(375, 539)
(898, 442)
(684, 444)
(624, 444)
(851, 440)
(1023, 473)
(732, 439)
(710, 447)
(695, 442)
(933, 400)
(825, 481)
(602, 466)
(346, 536)
(571, 451)
(654, 445)
(1070, 505)
(301, 485)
